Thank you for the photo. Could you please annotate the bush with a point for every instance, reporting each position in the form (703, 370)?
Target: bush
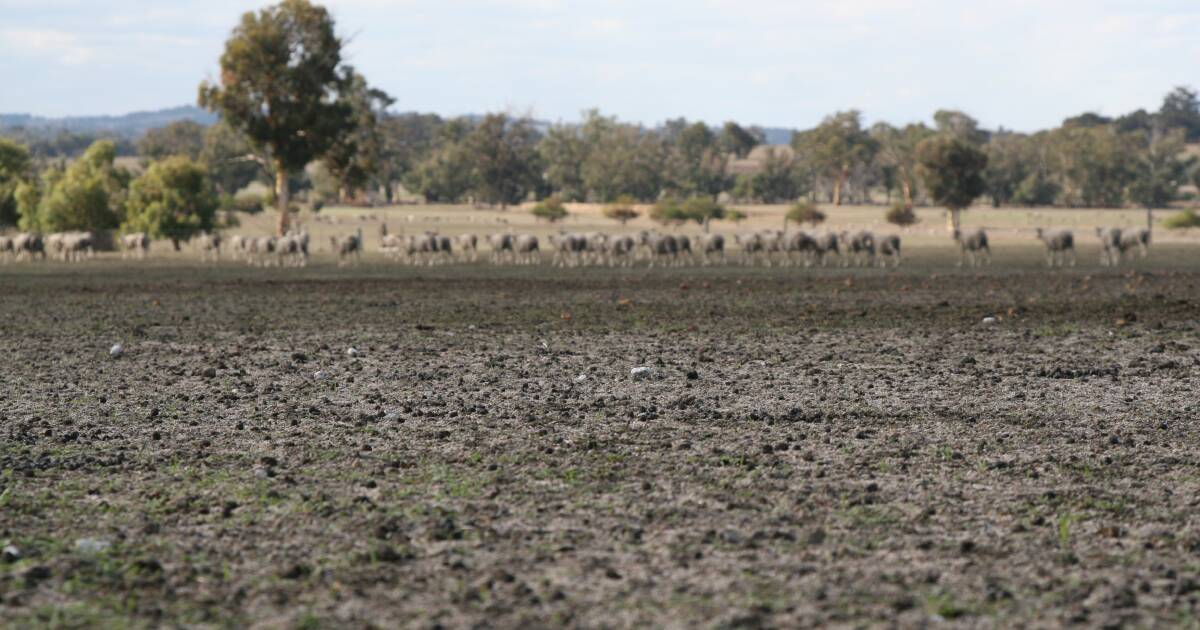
(621, 210)
(250, 203)
(901, 215)
(551, 209)
(1182, 220)
(806, 212)
(737, 216)
(698, 209)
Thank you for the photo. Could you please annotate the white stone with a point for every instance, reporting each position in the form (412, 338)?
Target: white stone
(116, 351)
(989, 320)
(640, 373)
(92, 545)
(351, 351)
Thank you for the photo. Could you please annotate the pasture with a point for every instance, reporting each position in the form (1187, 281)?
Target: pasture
(809, 447)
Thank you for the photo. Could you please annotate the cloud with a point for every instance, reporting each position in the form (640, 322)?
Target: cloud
(61, 46)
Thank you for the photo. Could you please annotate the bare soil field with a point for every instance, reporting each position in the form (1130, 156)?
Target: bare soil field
(1013, 446)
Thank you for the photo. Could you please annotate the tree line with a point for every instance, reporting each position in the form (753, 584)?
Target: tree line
(295, 116)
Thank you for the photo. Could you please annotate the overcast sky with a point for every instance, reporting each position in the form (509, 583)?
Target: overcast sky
(1023, 64)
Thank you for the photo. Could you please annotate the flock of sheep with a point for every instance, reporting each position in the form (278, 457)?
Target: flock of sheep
(769, 248)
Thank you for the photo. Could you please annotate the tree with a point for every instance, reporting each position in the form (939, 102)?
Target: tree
(1095, 165)
(503, 152)
(621, 210)
(229, 159)
(445, 176)
(550, 209)
(358, 154)
(736, 140)
(952, 170)
(173, 199)
(898, 150)
(805, 212)
(1006, 166)
(701, 210)
(621, 159)
(87, 195)
(183, 137)
(698, 163)
(836, 146)
(956, 124)
(1181, 109)
(1159, 169)
(281, 81)
(563, 152)
(408, 139)
(14, 169)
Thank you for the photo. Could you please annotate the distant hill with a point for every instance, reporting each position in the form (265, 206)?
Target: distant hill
(125, 126)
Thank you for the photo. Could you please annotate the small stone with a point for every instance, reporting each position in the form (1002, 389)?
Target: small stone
(117, 351)
(92, 545)
(352, 352)
(320, 375)
(640, 373)
(210, 372)
(989, 320)
(11, 553)
(581, 378)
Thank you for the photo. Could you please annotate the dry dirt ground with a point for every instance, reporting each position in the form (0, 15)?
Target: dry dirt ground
(840, 447)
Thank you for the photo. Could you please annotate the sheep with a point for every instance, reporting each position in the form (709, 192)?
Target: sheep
(525, 249)
(751, 244)
(1134, 238)
(569, 249)
(1059, 244)
(773, 242)
(238, 246)
(1110, 245)
(70, 246)
(710, 245)
(392, 245)
(828, 244)
(802, 244)
(135, 244)
(659, 245)
(597, 248)
(445, 247)
(973, 247)
(860, 247)
(683, 244)
(209, 243)
(346, 246)
(28, 244)
(468, 245)
(621, 250)
(259, 249)
(501, 245)
(889, 247)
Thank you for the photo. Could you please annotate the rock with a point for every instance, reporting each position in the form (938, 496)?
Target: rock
(11, 553)
(209, 372)
(581, 378)
(640, 373)
(989, 320)
(117, 351)
(352, 352)
(321, 375)
(92, 545)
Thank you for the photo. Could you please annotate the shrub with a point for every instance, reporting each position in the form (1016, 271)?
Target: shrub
(806, 212)
(250, 203)
(621, 210)
(551, 209)
(737, 216)
(698, 209)
(901, 215)
(1182, 220)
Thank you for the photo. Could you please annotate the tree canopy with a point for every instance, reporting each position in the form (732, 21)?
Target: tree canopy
(281, 85)
(173, 199)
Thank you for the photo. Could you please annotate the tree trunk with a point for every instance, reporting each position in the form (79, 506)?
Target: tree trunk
(282, 199)
(906, 187)
(175, 244)
(952, 219)
(1149, 220)
(837, 186)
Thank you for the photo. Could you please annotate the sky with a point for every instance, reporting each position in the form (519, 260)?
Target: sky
(1020, 64)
